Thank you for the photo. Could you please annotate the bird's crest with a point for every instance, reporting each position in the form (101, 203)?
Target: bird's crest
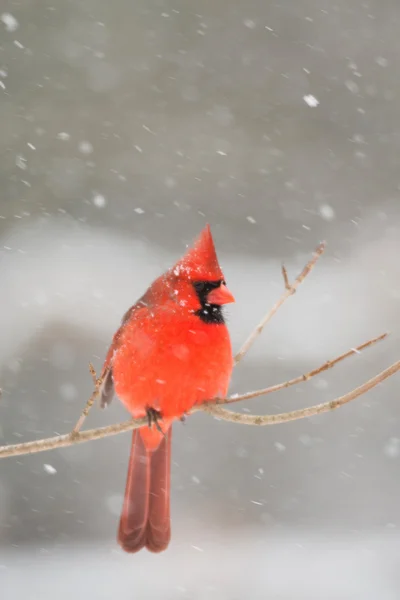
(200, 261)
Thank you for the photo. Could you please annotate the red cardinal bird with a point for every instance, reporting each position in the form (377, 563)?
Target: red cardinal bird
(171, 352)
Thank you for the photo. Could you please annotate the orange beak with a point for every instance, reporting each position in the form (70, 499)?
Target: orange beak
(221, 295)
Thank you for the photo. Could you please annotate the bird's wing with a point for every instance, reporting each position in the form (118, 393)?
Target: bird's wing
(107, 385)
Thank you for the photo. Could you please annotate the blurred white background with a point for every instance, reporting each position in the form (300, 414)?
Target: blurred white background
(124, 128)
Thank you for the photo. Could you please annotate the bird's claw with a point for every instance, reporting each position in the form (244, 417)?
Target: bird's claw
(153, 418)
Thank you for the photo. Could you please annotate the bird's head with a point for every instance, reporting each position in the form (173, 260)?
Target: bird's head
(198, 278)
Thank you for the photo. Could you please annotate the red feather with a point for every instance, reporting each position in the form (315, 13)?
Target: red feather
(145, 519)
(172, 351)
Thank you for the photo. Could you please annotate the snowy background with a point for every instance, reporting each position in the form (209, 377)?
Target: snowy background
(124, 127)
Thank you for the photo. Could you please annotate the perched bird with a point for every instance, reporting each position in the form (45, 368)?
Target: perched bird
(171, 352)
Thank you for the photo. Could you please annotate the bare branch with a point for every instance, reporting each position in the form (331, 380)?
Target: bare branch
(94, 375)
(213, 406)
(90, 402)
(245, 419)
(290, 290)
(210, 407)
(280, 386)
(286, 278)
(70, 439)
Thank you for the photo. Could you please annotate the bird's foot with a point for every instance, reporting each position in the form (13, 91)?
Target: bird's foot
(153, 418)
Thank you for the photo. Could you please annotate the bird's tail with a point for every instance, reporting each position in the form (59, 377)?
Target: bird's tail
(145, 518)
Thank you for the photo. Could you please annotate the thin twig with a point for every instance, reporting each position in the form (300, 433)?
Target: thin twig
(286, 278)
(90, 402)
(94, 434)
(245, 419)
(62, 441)
(93, 374)
(327, 365)
(214, 406)
(290, 290)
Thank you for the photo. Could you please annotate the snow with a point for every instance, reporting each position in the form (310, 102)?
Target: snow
(20, 162)
(326, 212)
(392, 448)
(114, 504)
(63, 136)
(68, 391)
(151, 135)
(85, 147)
(146, 128)
(280, 565)
(10, 22)
(352, 86)
(311, 100)
(241, 452)
(280, 447)
(381, 61)
(306, 440)
(319, 383)
(99, 200)
(170, 182)
(50, 469)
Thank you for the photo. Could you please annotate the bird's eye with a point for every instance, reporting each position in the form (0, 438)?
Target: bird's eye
(223, 282)
(199, 286)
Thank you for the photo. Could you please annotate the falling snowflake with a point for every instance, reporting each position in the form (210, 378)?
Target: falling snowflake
(63, 136)
(352, 86)
(20, 162)
(68, 391)
(280, 447)
(170, 182)
(311, 100)
(392, 447)
(10, 22)
(85, 147)
(381, 61)
(326, 211)
(49, 469)
(249, 23)
(99, 200)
